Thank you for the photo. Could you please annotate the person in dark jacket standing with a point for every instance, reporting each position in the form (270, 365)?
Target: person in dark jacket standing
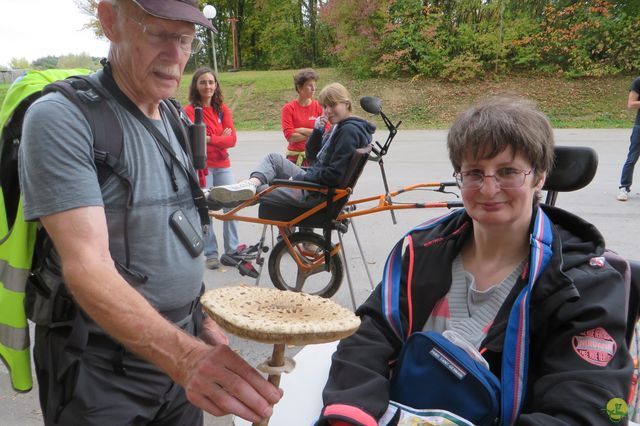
(329, 153)
(462, 273)
(626, 177)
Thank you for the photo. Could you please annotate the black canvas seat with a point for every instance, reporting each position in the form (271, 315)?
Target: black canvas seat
(322, 218)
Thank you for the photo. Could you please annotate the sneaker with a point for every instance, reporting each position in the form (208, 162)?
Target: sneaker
(213, 263)
(240, 191)
(623, 195)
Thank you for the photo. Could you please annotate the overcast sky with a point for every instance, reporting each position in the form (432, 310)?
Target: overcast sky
(32, 29)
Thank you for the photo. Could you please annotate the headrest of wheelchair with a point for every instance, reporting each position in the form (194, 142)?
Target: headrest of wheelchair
(574, 168)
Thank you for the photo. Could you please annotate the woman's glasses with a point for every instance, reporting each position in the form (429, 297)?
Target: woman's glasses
(505, 178)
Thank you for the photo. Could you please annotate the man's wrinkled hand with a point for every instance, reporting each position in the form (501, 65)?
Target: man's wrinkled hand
(220, 382)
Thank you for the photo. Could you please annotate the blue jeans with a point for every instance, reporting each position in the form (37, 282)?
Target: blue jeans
(632, 158)
(275, 166)
(218, 177)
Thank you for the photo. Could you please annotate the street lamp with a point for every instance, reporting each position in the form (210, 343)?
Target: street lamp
(210, 13)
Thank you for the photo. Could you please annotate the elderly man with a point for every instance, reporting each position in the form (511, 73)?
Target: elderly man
(135, 281)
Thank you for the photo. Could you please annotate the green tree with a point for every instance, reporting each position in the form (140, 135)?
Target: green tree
(82, 60)
(587, 38)
(466, 39)
(276, 38)
(356, 30)
(19, 63)
(629, 7)
(310, 16)
(45, 62)
(230, 20)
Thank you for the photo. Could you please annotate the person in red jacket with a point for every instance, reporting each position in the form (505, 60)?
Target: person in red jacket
(205, 92)
(299, 115)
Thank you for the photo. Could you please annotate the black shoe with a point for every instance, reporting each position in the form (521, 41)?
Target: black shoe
(229, 260)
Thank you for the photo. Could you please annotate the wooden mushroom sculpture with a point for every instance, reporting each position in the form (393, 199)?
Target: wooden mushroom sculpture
(280, 318)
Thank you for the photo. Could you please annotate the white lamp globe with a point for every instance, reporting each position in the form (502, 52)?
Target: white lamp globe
(209, 11)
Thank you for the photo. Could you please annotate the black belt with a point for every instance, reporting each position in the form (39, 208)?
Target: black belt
(181, 312)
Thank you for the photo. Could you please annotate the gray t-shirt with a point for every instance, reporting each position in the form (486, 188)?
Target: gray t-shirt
(467, 310)
(58, 173)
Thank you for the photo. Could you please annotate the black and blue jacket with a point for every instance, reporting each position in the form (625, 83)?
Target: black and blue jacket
(578, 299)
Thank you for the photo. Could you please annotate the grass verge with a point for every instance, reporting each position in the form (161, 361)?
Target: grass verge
(256, 97)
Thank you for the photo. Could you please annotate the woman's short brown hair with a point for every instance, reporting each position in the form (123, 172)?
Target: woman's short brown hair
(303, 76)
(489, 127)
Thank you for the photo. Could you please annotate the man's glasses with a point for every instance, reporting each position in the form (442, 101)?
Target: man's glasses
(155, 35)
(506, 178)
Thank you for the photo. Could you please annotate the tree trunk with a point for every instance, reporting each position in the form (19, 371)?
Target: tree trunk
(313, 30)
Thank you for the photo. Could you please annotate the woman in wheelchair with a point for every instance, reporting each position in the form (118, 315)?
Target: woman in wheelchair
(522, 287)
(329, 154)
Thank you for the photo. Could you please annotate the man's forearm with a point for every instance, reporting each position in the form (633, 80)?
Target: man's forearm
(128, 317)
(81, 239)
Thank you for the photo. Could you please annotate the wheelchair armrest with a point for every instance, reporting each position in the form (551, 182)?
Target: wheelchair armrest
(299, 183)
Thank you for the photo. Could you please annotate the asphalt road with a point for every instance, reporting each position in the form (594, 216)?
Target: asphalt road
(415, 156)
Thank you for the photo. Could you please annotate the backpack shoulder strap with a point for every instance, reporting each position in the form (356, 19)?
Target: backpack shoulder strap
(106, 129)
(105, 126)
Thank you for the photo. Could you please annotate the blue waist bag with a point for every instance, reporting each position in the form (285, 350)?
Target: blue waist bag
(433, 373)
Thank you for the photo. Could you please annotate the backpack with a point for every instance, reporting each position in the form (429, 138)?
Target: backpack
(29, 289)
(430, 357)
(17, 237)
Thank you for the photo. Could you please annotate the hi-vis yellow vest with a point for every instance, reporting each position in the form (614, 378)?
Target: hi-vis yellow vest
(16, 253)
(17, 242)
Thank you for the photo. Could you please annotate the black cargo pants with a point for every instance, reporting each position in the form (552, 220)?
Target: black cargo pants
(105, 385)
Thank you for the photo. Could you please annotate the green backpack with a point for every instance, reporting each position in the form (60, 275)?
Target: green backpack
(17, 237)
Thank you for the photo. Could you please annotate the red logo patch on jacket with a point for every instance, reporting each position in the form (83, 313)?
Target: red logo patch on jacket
(595, 346)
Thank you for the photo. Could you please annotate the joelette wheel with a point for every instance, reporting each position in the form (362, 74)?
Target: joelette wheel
(286, 274)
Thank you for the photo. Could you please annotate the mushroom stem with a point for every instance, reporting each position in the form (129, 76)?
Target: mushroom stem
(276, 360)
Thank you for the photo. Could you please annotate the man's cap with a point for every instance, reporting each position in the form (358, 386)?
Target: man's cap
(175, 10)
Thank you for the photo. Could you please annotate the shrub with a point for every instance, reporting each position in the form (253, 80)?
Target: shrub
(465, 67)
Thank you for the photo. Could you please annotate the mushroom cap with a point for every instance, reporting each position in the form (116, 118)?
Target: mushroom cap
(276, 316)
